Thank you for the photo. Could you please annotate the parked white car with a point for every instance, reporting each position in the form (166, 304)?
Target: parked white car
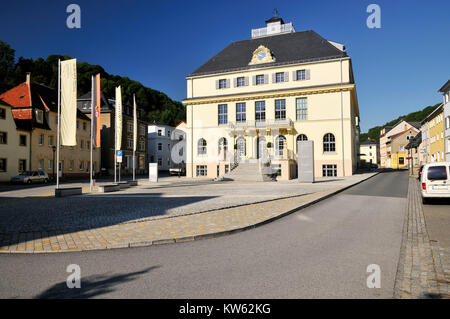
(435, 180)
(29, 177)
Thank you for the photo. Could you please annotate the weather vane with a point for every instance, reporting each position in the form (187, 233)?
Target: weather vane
(275, 12)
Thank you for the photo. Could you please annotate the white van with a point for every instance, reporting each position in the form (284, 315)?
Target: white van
(435, 180)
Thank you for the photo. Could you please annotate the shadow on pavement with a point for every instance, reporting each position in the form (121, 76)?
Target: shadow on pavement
(91, 286)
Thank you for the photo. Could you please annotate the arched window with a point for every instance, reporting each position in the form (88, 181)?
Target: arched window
(201, 146)
(241, 151)
(329, 143)
(301, 137)
(223, 145)
(279, 145)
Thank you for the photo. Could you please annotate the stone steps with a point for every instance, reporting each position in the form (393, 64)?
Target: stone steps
(247, 172)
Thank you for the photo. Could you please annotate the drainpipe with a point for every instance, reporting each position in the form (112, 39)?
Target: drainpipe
(31, 142)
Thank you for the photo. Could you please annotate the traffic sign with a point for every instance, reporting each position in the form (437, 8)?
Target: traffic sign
(119, 156)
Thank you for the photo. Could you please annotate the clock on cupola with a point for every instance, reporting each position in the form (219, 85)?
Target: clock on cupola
(262, 55)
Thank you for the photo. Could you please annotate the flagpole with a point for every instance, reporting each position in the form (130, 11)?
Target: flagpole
(59, 125)
(92, 130)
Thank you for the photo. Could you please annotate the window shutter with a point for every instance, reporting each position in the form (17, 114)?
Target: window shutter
(228, 83)
(274, 77)
(246, 81)
(254, 80)
(235, 82)
(307, 74)
(294, 75)
(286, 76)
(217, 84)
(266, 79)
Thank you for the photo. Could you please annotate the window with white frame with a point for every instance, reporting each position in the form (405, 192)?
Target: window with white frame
(41, 164)
(202, 170)
(301, 75)
(240, 81)
(50, 140)
(240, 112)
(301, 108)
(39, 116)
(223, 113)
(201, 150)
(329, 143)
(41, 139)
(279, 145)
(222, 84)
(329, 170)
(279, 77)
(260, 79)
(280, 109)
(260, 111)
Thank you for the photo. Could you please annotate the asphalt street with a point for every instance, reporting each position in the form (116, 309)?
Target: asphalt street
(319, 252)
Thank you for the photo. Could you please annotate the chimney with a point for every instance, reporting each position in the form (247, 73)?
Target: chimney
(28, 78)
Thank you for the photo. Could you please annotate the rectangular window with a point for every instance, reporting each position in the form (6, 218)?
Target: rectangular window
(2, 164)
(22, 165)
(223, 114)
(41, 139)
(81, 165)
(2, 113)
(50, 164)
(159, 146)
(240, 81)
(280, 109)
(240, 112)
(227, 168)
(222, 84)
(41, 164)
(71, 164)
(260, 79)
(130, 127)
(301, 108)
(39, 116)
(279, 77)
(202, 170)
(3, 138)
(301, 75)
(329, 170)
(88, 145)
(159, 132)
(160, 161)
(437, 173)
(23, 140)
(78, 124)
(50, 140)
(84, 126)
(81, 144)
(260, 111)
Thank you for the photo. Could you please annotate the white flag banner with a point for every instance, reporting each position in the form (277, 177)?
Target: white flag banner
(69, 102)
(134, 124)
(118, 118)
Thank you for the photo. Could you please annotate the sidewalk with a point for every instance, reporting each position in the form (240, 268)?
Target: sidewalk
(170, 229)
(424, 267)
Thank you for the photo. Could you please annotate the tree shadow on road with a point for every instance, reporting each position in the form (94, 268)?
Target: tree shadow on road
(91, 286)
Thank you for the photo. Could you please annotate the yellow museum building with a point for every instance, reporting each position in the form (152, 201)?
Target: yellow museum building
(256, 98)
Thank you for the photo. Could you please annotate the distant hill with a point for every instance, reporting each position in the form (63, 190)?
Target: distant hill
(374, 132)
(156, 105)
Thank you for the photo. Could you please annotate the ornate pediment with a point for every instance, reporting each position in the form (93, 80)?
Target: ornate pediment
(262, 55)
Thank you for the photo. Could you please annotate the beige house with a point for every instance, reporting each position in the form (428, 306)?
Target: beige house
(396, 148)
(34, 108)
(369, 152)
(256, 98)
(385, 135)
(14, 145)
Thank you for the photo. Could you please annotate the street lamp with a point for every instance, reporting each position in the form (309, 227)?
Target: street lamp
(54, 150)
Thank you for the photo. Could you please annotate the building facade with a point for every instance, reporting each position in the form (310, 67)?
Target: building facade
(385, 136)
(255, 99)
(160, 145)
(15, 146)
(435, 128)
(34, 109)
(107, 133)
(445, 91)
(369, 152)
(398, 156)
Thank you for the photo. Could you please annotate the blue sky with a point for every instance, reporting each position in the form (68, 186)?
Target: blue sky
(398, 68)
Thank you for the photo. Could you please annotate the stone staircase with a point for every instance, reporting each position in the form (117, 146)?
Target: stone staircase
(247, 172)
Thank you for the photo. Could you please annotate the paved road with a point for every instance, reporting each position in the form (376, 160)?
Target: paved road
(319, 252)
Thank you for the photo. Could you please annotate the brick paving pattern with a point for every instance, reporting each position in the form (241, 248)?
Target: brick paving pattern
(424, 267)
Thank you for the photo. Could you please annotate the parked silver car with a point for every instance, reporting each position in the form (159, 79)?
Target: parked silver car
(29, 177)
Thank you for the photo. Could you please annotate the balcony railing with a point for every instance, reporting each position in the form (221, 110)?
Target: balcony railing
(282, 28)
(270, 123)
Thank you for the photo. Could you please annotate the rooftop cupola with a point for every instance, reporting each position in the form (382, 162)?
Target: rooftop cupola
(274, 26)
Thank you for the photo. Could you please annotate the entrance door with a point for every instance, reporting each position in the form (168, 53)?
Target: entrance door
(262, 148)
(241, 147)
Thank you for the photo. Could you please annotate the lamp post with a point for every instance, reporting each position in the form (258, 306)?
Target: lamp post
(54, 150)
